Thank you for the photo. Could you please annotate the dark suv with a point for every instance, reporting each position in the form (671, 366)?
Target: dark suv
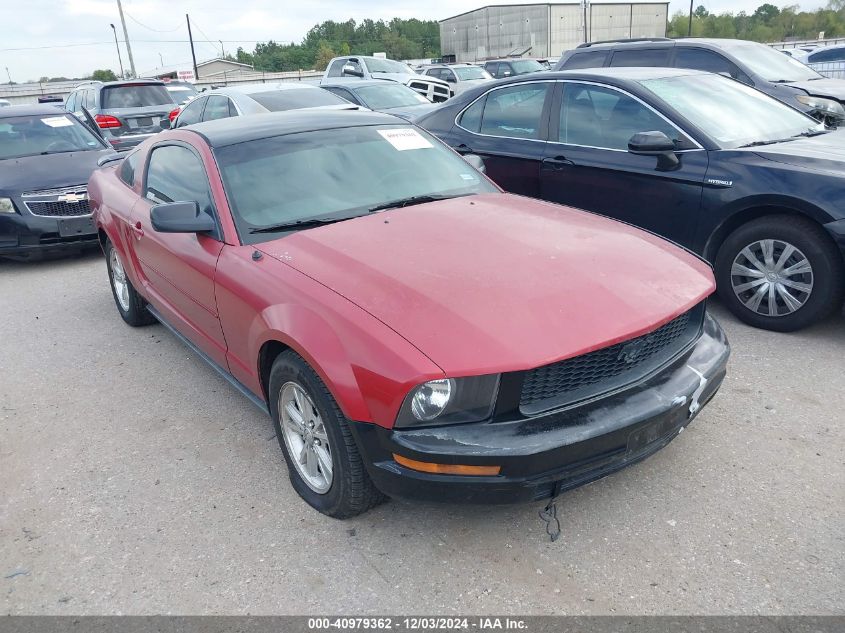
(127, 112)
(753, 64)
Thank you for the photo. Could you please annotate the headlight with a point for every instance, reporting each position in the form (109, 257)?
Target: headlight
(449, 401)
(6, 205)
(825, 106)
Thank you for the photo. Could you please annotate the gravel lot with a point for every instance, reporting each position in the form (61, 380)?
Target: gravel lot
(134, 480)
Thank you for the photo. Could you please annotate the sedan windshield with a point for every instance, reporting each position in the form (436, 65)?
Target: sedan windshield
(523, 66)
(296, 98)
(731, 113)
(468, 73)
(772, 65)
(390, 95)
(309, 178)
(45, 134)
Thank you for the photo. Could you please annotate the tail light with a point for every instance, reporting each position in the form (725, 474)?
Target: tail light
(107, 121)
(173, 114)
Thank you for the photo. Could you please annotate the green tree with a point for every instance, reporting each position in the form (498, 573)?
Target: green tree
(324, 56)
(103, 75)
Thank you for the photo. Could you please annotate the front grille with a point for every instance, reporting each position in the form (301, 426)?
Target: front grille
(65, 202)
(608, 368)
(432, 91)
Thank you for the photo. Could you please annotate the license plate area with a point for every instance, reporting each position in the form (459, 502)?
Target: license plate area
(651, 433)
(73, 227)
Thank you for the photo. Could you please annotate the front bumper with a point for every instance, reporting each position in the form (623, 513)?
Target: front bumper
(22, 235)
(546, 454)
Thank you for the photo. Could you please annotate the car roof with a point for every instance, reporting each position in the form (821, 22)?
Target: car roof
(249, 89)
(665, 43)
(358, 83)
(629, 73)
(230, 131)
(31, 110)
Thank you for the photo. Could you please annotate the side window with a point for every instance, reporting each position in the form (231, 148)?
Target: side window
(471, 118)
(191, 113)
(587, 59)
(448, 75)
(69, 103)
(493, 69)
(602, 117)
(336, 68)
(515, 111)
(127, 169)
(217, 107)
(89, 99)
(701, 59)
(833, 55)
(505, 70)
(176, 174)
(641, 57)
(233, 110)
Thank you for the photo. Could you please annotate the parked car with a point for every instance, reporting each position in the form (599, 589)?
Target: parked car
(827, 60)
(5, 103)
(234, 101)
(381, 96)
(461, 76)
(750, 63)
(356, 67)
(412, 330)
(127, 112)
(46, 157)
(754, 186)
(181, 91)
(502, 68)
(50, 99)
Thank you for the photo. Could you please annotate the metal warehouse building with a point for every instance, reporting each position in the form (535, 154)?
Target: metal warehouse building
(546, 30)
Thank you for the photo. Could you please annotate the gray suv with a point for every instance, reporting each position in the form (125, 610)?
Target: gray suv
(127, 112)
(753, 64)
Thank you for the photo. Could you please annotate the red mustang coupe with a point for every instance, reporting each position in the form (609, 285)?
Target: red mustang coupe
(412, 330)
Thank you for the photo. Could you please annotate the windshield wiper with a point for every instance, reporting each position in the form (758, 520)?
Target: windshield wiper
(299, 224)
(60, 151)
(810, 133)
(772, 142)
(412, 200)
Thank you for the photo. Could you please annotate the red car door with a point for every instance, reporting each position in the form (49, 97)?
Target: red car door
(178, 268)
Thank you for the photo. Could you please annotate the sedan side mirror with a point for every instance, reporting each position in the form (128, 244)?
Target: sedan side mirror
(476, 161)
(350, 70)
(655, 144)
(181, 217)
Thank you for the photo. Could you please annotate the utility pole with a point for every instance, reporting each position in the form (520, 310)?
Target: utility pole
(117, 46)
(191, 40)
(126, 39)
(585, 21)
(9, 75)
(689, 30)
(222, 50)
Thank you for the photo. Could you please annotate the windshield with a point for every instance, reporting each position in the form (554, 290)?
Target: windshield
(45, 134)
(468, 73)
(135, 96)
(296, 98)
(375, 65)
(523, 66)
(338, 172)
(390, 95)
(712, 102)
(770, 64)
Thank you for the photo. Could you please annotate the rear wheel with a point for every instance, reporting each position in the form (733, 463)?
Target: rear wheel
(130, 305)
(780, 273)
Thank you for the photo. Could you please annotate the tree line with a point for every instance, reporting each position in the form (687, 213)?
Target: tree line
(768, 23)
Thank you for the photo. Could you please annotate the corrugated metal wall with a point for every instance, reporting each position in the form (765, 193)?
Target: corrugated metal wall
(548, 29)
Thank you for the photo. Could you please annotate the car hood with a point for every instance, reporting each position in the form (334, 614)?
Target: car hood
(34, 173)
(405, 78)
(497, 282)
(823, 87)
(411, 112)
(824, 153)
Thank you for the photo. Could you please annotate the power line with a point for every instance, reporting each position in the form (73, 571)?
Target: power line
(149, 28)
(205, 36)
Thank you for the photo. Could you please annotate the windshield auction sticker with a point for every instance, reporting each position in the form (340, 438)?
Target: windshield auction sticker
(405, 138)
(57, 121)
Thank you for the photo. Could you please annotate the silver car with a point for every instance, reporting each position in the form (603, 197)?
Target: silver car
(461, 76)
(232, 101)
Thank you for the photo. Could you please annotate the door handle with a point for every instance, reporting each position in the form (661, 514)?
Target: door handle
(556, 163)
(138, 230)
(463, 149)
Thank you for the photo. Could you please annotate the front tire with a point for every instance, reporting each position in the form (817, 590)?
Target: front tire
(780, 273)
(324, 464)
(130, 305)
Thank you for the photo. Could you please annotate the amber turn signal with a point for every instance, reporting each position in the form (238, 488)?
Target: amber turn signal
(446, 469)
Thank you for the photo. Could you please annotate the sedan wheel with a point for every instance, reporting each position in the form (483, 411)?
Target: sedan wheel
(305, 437)
(118, 280)
(772, 277)
(130, 305)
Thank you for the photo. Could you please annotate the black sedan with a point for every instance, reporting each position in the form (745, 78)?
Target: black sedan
(46, 157)
(753, 185)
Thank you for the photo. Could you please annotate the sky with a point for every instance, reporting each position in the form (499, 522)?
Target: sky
(72, 38)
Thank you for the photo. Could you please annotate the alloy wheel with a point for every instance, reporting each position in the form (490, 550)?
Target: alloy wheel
(305, 437)
(119, 281)
(772, 277)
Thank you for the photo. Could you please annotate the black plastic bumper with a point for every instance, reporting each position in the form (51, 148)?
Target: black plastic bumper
(837, 232)
(28, 234)
(543, 455)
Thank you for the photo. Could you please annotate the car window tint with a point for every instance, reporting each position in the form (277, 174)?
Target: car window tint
(701, 59)
(515, 111)
(217, 107)
(587, 59)
(70, 101)
(191, 113)
(471, 118)
(136, 96)
(89, 99)
(641, 57)
(832, 55)
(233, 110)
(127, 169)
(593, 116)
(176, 174)
(493, 69)
(295, 98)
